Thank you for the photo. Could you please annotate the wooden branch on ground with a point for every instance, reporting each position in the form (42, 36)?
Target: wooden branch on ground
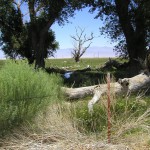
(77, 93)
(124, 86)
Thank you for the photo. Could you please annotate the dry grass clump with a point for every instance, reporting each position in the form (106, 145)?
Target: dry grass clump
(54, 130)
(51, 130)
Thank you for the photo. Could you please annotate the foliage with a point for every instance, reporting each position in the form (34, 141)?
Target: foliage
(85, 122)
(2, 62)
(122, 110)
(78, 79)
(16, 35)
(88, 78)
(24, 92)
(126, 23)
(71, 65)
(93, 76)
(32, 37)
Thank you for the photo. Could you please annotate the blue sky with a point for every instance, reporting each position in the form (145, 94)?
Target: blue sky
(82, 19)
(85, 20)
(100, 47)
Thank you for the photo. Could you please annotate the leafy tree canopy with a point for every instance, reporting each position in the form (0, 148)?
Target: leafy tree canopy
(32, 38)
(126, 22)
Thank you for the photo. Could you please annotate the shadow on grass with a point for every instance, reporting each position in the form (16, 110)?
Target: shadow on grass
(87, 77)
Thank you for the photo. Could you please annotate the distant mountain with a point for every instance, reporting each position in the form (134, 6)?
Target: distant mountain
(91, 52)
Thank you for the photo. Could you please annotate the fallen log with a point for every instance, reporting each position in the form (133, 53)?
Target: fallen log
(77, 93)
(124, 86)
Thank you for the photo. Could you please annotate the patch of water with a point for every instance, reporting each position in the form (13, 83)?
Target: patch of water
(67, 75)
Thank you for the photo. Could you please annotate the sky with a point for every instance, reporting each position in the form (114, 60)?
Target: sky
(82, 19)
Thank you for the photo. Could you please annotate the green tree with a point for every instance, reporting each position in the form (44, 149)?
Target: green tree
(32, 39)
(126, 22)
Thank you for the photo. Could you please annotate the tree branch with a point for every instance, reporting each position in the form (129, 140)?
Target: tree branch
(84, 49)
(31, 10)
(18, 4)
(81, 39)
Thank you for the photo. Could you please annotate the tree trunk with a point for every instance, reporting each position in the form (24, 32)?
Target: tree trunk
(38, 43)
(124, 86)
(34, 40)
(77, 58)
(39, 53)
(77, 93)
(140, 33)
(135, 38)
(38, 34)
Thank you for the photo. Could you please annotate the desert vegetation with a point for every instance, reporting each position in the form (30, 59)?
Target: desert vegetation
(36, 115)
(37, 110)
(24, 92)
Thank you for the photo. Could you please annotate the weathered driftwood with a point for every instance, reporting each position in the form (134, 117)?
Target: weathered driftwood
(77, 93)
(122, 87)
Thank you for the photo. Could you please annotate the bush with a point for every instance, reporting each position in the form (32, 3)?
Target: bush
(86, 122)
(122, 111)
(24, 92)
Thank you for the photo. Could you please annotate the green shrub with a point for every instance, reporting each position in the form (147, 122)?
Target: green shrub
(24, 92)
(86, 122)
(131, 107)
(122, 111)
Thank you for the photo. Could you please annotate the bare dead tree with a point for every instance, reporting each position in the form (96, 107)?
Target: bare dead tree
(79, 40)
